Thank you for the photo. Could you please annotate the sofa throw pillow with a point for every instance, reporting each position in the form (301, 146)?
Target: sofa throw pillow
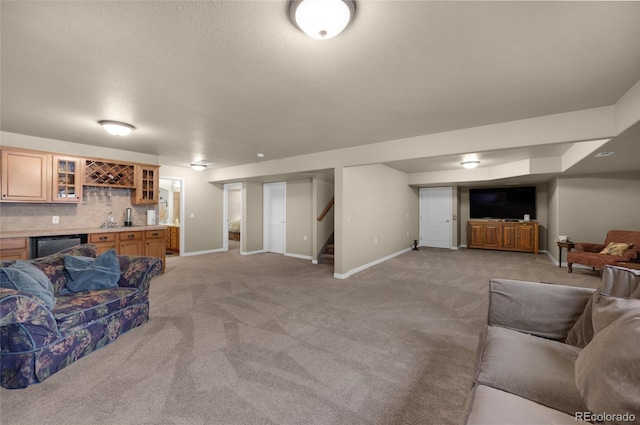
(617, 282)
(26, 277)
(616, 248)
(89, 274)
(607, 309)
(608, 370)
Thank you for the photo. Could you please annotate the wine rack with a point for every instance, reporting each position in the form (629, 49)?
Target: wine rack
(109, 174)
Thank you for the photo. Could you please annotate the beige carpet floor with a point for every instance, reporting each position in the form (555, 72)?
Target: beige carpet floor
(268, 339)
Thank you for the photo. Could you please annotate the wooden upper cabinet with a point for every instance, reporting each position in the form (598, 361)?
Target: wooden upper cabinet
(66, 179)
(147, 191)
(44, 177)
(26, 176)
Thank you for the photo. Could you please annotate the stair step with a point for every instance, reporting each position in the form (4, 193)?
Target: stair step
(326, 258)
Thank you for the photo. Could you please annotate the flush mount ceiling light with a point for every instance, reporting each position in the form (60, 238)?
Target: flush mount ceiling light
(322, 19)
(201, 165)
(604, 154)
(470, 164)
(198, 167)
(117, 128)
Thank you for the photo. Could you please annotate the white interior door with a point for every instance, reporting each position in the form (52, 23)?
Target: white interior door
(274, 217)
(435, 217)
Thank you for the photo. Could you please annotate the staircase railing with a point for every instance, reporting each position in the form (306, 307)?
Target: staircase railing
(326, 209)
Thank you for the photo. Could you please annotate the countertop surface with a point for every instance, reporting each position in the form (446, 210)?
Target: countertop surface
(59, 232)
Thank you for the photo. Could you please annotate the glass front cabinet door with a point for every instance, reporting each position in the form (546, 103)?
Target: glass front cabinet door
(147, 191)
(67, 184)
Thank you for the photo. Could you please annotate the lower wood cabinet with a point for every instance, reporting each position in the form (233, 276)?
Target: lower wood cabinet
(154, 244)
(173, 239)
(503, 235)
(150, 242)
(104, 241)
(12, 249)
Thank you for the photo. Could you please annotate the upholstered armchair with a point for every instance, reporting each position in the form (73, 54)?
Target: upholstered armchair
(589, 253)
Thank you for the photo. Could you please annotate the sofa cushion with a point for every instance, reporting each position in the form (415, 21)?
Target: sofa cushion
(88, 273)
(490, 406)
(616, 248)
(608, 309)
(535, 368)
(82, 308)
(616, 282)
(608, 369)
(53, 265)
(25, 277)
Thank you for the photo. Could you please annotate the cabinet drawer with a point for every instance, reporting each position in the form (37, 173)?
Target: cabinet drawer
(13, 243)
(102, 237)
(154, 234)
(130, 236)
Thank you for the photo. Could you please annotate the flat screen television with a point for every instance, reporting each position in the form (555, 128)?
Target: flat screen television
(503, 202)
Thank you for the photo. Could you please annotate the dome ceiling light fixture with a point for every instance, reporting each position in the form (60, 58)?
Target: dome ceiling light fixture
(200, 165)
(117, 128)
(322, 19)
(470, 164)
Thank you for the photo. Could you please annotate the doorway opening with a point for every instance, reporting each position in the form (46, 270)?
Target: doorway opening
(170, 212)
(233, 216)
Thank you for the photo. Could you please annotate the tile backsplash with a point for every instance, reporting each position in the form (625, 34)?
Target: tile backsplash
(91, 212)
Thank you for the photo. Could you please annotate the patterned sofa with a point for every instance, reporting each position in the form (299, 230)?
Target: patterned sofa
(589, 253)
(37, 342)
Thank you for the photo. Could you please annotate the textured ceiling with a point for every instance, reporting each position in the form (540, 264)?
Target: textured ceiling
(224, 80)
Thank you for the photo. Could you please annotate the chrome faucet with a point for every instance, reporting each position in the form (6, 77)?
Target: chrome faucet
(110, 221)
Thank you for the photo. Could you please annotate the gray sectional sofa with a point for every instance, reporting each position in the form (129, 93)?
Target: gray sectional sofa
(555, 354)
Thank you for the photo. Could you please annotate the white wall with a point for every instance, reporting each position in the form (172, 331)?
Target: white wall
(202, 222)
(234, 203)
(379, 216)
(252, 224)
(589, 206)
(299, 218)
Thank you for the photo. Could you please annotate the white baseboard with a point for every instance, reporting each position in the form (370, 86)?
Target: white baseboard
(553, 259)
(564, 263)
(314, 261)
(304, 257)
(371, 264)
(260, 251)
(208, 251)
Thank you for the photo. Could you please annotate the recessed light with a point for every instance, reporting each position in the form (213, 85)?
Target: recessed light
(604, 154)
(260, 155)
(117, 128)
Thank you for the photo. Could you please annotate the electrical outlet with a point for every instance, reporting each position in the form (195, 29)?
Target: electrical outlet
(305, 237)
(375, 240)
(55, 219)
(193, 215)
